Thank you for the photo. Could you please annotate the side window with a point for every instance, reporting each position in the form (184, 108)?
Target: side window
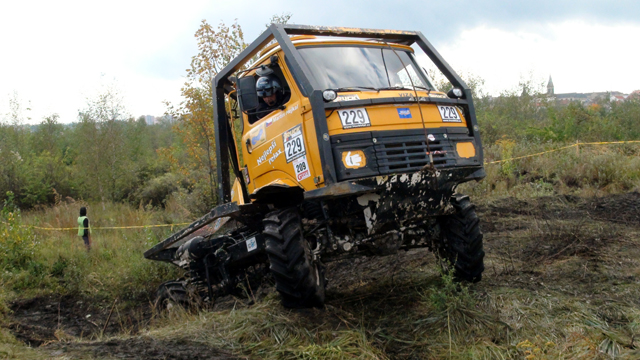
(404, 77)
(282, 95)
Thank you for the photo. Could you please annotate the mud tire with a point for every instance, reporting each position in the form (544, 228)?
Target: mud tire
(460, 240)
(171, 292)
(299, 278)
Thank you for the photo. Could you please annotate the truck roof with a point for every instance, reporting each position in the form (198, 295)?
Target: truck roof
(304, 40)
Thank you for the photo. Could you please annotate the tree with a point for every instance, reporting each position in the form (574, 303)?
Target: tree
(196, 157)
(103, 163)
(14, 148)
(279, 19)
(216, 48)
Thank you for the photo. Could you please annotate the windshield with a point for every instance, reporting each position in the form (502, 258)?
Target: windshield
(359, 68)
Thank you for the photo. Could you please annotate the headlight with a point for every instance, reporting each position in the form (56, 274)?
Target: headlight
(329, 95)
(455, 93)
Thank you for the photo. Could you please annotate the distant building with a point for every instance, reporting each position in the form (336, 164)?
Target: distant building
(586, 98)
(150, 119)
(170, 119)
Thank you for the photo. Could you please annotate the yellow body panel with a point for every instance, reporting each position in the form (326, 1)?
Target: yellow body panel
(236, 193)
(386, 117)
(465, 149)
(275, 177)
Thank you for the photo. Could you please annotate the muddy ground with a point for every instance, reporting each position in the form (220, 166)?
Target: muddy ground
(586, 248)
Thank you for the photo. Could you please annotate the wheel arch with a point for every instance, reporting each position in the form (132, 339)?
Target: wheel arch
(280, 192)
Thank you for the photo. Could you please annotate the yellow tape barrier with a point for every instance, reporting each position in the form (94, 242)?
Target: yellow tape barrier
(562, 148)
(103, 227)
(486, 163)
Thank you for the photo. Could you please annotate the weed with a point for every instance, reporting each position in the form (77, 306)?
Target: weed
(506, 151)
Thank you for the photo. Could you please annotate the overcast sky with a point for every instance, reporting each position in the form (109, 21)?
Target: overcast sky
(56, 54)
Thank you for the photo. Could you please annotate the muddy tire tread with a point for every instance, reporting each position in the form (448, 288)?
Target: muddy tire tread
(462, 240)
(299, 280)
(173, 291)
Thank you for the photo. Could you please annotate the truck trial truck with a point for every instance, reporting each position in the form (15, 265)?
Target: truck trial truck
(362, 155)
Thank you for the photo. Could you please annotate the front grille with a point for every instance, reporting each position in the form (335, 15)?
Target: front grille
(404, 155)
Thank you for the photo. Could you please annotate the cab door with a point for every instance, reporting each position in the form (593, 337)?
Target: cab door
(275, 149)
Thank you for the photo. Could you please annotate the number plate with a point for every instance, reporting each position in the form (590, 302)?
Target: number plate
(354, 118)
(293, 143)
(301, 166)
(449, 113)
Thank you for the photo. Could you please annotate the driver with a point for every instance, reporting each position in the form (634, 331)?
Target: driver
(269, 89)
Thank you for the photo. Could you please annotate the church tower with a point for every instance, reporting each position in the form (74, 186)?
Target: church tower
(550, 87)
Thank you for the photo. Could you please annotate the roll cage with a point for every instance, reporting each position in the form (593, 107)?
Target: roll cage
(226, 150)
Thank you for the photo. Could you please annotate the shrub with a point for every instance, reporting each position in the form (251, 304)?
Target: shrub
(17, 243)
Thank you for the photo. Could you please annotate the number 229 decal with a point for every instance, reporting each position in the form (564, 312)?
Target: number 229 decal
(293, 143)
(354, 118)
(449, 114)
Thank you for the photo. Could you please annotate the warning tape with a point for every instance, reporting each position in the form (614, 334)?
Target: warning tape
(562, 148)
(101, 227)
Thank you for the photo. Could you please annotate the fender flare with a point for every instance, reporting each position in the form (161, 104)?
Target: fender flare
(280, 192)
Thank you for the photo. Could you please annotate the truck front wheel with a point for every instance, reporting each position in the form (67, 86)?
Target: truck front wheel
(460, 242)
(299, 277)
(171, 293)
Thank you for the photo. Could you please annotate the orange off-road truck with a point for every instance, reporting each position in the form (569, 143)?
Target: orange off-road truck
(362, 155)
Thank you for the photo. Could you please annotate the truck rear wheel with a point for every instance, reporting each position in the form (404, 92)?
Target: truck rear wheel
(299, 277)
(461, 240)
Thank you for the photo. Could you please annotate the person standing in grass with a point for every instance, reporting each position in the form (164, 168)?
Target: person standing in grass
(84, 230)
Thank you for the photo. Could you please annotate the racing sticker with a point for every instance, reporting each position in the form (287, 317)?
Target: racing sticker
(404, 113)
(280, 115)
(302, 168)
(251, 244)
(258, 136)
(267, 154)
(354, 159)
(293, 143)
(347, 97)
(354, 118)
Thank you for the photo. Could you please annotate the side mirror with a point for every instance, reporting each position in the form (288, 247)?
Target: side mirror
(247, 96)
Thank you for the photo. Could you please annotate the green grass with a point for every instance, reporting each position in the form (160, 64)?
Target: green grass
(587, 171)
(57, 261)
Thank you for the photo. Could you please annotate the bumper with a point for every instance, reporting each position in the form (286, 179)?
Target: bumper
(402, 151)
(392, 201)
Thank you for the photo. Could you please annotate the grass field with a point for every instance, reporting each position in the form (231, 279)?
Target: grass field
(561, 281)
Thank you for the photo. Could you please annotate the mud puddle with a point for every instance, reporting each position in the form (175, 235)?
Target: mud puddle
(138, 348)
(46, 319)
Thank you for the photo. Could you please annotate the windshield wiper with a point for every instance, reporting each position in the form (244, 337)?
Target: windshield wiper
(404, 88)
(356, 88)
